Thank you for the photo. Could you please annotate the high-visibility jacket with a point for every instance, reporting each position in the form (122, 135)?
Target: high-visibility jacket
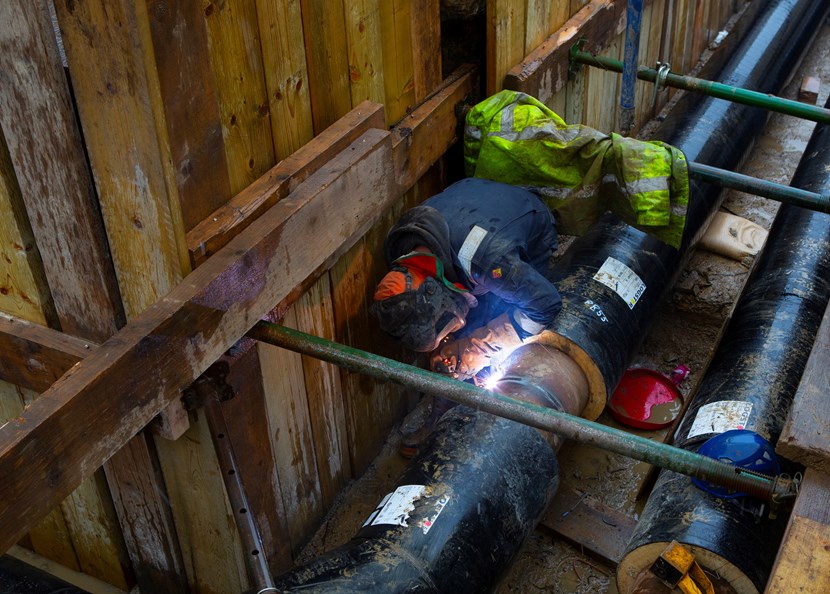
(579, 172)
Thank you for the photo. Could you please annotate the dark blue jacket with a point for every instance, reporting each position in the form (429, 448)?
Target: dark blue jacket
(492, 238)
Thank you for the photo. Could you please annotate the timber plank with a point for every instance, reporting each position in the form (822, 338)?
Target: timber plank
(34, 356)
(183, 333)
(230, 219)
(324, 392)
(398, 69)
(188, 91)
(291, 438)
(588, 524)
(235, 56)
(50, 536)
(328, 62)
(286, 75)
(505, 41)
(24, 291)
(803, 561)
(365, 50)
(46, 152)
(544, 71)
(426, 46)
(247, 419)
(806, 435)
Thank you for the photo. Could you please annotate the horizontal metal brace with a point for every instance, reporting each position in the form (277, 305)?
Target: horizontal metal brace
(711, 88)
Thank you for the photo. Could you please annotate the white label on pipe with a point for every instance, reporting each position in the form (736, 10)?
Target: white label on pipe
(395, 507)
(717, 417)
(622, 280)
(428, 523)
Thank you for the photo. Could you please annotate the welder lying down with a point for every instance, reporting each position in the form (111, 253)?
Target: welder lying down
(469, 275)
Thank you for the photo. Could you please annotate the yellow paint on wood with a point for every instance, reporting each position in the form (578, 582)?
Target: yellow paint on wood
(505, 40)
(286, 74)
(365, 46)
(291, 438)
(324, 27)
(24, 292)
(50, 538)
(235, 54)
(396, 37)
(315, 315)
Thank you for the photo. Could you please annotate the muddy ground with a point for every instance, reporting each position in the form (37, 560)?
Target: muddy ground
(687, 331)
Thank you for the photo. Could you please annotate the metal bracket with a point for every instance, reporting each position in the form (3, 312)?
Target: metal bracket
(211, 384)
(574, 66)
(663, 69)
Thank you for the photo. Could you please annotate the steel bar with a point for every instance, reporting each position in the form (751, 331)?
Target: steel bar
(568, 426)
(714, 89)
(759, 187)
(255, 559)
(629, 69)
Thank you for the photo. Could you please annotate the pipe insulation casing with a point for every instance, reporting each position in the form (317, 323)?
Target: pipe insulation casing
(455, 519)
(750, 384)
(612, 279)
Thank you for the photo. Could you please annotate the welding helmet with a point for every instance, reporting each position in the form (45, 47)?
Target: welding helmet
(417, 305)
(742, 448)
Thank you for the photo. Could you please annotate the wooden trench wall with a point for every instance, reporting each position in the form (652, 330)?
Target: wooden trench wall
(156, 132)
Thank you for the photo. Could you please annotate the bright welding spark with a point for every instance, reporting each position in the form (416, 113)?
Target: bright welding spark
(491, 380)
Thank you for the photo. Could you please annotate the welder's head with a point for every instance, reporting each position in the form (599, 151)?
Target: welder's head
(415, 304)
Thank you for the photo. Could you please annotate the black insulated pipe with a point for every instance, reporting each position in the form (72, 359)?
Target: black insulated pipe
(751, 382)
(456, 518)
(612, 279)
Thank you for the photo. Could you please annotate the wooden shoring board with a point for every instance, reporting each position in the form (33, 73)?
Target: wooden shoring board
(398, 68)
(96, 407)
(327, 62)
(803, 561)
(505, 40)
(286, 75)
(230, 219)
(48, 537)
(806, 435)
(365, 50)
(46, 151)
(236, 60)
(544, 71)
(426, 46)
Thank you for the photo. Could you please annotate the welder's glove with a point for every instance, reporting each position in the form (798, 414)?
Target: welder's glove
(464, 358)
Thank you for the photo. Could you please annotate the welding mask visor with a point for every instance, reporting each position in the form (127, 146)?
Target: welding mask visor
(422, 316)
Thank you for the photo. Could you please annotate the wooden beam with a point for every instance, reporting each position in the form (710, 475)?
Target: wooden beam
(803, 561)
(103, 401)
(806, 435)
(34, 357)
(214, 232)
(544, 71)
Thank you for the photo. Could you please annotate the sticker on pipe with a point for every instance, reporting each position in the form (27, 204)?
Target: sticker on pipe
(395, 508)
(719, 417)
(622, 280)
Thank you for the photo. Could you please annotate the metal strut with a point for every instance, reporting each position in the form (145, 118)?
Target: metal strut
(773, 489)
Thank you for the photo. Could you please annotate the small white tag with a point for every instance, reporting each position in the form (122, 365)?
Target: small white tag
(622, 280)
(395, 507)
(718, 417)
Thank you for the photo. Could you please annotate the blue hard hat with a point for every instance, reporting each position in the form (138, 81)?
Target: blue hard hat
(741, 448)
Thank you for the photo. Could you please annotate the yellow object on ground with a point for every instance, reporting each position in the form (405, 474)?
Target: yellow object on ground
(579, 172)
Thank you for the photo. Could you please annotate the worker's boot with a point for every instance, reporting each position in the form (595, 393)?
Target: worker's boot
(411, 442)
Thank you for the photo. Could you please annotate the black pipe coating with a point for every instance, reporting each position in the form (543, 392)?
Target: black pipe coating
(484, 481)
(756, 369)
(609, 321)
